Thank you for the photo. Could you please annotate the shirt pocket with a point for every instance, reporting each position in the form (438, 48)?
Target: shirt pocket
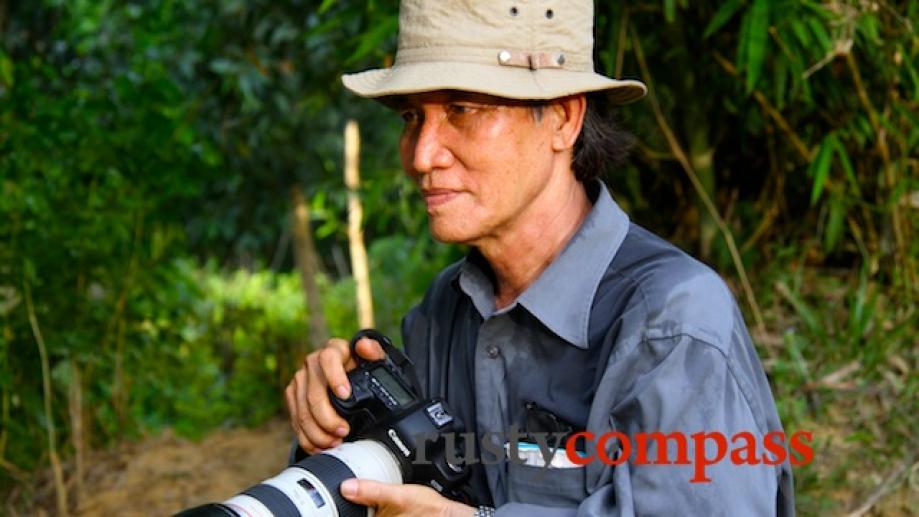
(560, 487)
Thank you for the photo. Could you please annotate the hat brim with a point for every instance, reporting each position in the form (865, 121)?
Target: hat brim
(500, 81)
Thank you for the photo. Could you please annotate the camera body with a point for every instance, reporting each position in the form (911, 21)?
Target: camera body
(385, 405)
(396, 437)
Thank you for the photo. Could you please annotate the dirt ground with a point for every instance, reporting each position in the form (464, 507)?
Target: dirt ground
(163, 474)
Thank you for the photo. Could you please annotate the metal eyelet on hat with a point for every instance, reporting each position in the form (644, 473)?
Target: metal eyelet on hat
(531, 60)
(514, 11)
(549, 14)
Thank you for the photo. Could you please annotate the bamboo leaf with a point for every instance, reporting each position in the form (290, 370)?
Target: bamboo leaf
(326, 5)
(869, 26)
(847, 166)
(722, 16)
(911, 74)
(758, 40)
(374, 38)
(670, 10)
(912, 139)
(6, 70)
(821, 34)
(780, 78)
(834, 223)
(819, 169)
(743, 42)
(801, 33)
(804, 311)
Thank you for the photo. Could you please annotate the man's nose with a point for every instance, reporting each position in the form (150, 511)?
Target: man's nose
(431, 151)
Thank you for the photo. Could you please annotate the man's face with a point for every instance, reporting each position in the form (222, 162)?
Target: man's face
(479, 161)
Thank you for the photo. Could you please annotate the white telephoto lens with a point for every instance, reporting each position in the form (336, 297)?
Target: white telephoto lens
(308, 493)
(369, 459)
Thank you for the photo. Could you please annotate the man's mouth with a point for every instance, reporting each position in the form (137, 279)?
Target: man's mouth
(437, 197)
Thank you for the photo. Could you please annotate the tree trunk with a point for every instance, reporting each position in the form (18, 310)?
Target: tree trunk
(359, 262)
(308, 263)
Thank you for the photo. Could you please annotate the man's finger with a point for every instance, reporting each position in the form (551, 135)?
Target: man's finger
(345, 348)
(369, 349)
(331, 362)
(372, 493)
(323, 419)
(299, 403)
(290, 398)
(294, 394)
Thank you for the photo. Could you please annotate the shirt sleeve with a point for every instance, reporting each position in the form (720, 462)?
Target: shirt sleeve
(686, 385)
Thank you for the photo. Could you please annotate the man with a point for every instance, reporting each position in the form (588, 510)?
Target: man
(564, 314)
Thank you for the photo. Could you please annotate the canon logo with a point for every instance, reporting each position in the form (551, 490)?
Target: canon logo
(395, 439)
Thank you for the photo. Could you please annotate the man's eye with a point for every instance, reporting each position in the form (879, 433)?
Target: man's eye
(409, 116)
(461, 109)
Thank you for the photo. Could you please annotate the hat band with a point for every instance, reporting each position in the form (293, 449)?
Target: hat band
(495, 56)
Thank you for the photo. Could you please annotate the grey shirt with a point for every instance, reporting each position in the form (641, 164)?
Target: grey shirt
(622, 332)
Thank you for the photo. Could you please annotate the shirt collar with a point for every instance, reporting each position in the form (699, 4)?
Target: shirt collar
(562, 296)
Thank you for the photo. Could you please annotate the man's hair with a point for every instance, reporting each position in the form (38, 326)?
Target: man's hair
(602, 144)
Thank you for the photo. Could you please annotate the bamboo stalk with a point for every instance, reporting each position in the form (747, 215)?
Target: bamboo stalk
(890, 176)
(680, 154)
(359, 262)
(60, 489)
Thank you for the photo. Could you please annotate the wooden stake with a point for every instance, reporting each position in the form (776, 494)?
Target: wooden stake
(359, 263)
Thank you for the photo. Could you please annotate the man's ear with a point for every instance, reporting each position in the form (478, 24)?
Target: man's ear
(567, 119)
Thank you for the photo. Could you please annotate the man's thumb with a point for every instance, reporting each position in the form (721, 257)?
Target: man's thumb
(363, 491)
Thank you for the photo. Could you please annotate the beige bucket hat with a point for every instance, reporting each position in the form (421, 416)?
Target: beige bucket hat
(517, 49)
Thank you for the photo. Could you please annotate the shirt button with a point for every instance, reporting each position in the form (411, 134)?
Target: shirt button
(492, 351)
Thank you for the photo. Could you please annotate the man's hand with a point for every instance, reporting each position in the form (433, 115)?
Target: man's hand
(402, 500)
(312, 416)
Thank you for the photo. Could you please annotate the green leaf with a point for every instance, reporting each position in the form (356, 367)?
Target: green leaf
(326, 5)
(743, 41)
(847, 166)
(374, 38)
(804, 311)
(780, 82)
(834, 225)
(819, 168)
(670, 10)
(223, 66)
(910, 70)
(722, 16)
(869, 26)
(823, 37)
(907, 113)
(800, 30)
(6, 70)
(757, 42)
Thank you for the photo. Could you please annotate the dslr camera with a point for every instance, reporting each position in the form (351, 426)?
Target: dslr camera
(392, 426)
